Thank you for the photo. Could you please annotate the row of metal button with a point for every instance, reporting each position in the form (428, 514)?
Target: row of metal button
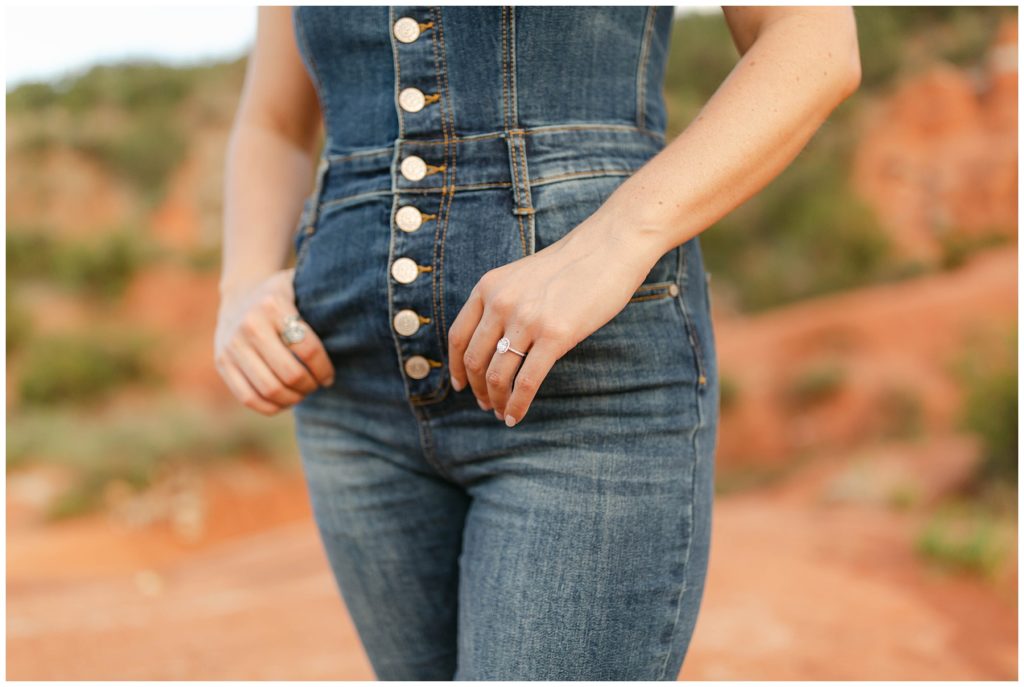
(408, 218)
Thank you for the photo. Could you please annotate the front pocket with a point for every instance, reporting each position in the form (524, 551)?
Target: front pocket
(654, 290)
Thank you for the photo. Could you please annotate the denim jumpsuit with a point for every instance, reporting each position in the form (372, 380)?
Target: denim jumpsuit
(575, 544)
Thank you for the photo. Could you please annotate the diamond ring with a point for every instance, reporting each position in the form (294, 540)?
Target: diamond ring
(294, 330)
(505, 345)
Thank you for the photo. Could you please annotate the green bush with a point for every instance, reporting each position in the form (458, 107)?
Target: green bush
(814, 384)
(728, 391)
(964, 538)
(135, 446)
(143, 155)
(990, 412)
(787, 243)
(19, 324)
(100, 266)
(69, 368)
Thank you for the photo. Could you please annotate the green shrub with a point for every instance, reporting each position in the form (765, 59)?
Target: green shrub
(900, 412)
(100, 266)
(990, 412)
(963, 539)
(816, 383)
(134, 446)
(729, 391)
(19, 324)
(69, 368)
(143, 155)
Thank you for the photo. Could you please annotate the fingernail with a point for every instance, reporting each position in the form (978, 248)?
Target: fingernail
(330, 382)
(497, 414)
(483, 406)
(457, 385)
(509, 420)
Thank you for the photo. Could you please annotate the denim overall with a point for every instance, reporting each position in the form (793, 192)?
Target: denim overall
(575, 544)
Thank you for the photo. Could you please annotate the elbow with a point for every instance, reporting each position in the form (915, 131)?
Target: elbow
(852, 75)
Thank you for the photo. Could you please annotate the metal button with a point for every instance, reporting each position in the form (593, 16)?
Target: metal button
(405, 270)
(673, 290)
(414, 168)
(406, 322)
(407, 29)
(408, 218)
(411, 99)
(417, 367)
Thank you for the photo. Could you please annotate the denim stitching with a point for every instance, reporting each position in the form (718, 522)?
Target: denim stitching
(684, 585)
(539, 130)
(314, 68)
(437, 283)
(536, 181)
(683, 276)
(398, 73)
(641, 71)
(694, 343)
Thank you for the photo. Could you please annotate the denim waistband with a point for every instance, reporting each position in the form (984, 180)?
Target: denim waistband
(516, 157)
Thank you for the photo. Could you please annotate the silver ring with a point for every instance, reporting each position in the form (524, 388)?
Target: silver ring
(505, 345)
(294, 330)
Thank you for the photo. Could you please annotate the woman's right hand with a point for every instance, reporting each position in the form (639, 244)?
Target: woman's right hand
(259, 368)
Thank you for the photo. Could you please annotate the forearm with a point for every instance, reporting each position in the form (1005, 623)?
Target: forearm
(763, 114)
(267, 178)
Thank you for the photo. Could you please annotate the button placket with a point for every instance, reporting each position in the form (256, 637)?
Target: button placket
(419, 171)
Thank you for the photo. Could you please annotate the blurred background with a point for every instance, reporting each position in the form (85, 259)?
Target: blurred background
(865, 308)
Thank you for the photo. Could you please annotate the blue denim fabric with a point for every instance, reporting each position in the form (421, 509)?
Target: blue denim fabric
(575, 544)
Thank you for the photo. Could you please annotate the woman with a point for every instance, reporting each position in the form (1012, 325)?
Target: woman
(496, 339)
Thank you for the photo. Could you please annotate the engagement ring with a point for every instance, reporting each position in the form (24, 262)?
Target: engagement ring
(505, 345)
(294, 330)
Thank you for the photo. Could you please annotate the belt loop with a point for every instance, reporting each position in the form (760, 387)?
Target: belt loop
(318, 187)
(516, 141)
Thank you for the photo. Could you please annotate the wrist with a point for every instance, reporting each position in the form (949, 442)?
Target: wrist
(235, 286)
(631, 240)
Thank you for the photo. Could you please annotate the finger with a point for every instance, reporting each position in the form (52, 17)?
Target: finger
(536, 365)
(244, 391)
(478, 357)
(502, 370)
(260, 375)
(310, 351)
(458, 338)
(266, 339)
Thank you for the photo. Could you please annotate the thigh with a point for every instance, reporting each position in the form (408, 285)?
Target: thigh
(586, 559)
(391, 528)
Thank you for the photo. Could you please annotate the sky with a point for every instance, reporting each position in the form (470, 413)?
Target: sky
(46, 42)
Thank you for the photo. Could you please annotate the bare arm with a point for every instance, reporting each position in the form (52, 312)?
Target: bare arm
(797, 65)
(270, 156)
(269, 173)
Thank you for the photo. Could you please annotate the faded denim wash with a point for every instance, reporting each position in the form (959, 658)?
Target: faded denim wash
(575, 544)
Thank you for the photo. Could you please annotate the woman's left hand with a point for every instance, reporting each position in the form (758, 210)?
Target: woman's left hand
(545, 303)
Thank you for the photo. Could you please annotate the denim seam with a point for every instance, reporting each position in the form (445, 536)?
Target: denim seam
(539, 130)
(427, 444)
(450, 181)
(510, 117)
(641, 71)
(684, 584)
(314, 68)
(443, 211)
(398, 75)
(682, 274)
(308, 221)
(682, 271)
(537, 181)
